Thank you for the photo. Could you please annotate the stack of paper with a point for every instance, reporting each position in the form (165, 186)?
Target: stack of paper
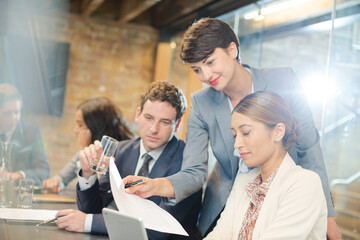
(27, 214)
(153, 216)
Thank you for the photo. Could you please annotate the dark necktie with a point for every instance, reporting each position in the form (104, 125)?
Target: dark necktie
(144, 170)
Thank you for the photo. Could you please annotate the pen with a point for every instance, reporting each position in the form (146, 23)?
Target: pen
(132, 184)
(135, 183)
(47, 221)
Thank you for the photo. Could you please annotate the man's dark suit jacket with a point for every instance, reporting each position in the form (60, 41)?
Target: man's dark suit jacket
(94, 199)
(28, 153)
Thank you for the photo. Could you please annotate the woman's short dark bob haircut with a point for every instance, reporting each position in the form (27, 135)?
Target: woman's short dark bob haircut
(203, 37)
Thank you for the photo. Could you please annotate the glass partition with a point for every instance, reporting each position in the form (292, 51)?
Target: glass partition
(320, 39)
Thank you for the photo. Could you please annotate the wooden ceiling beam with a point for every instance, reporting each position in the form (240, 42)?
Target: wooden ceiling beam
(170, 11)
(90, 6)
(130, 9)
(180, 23)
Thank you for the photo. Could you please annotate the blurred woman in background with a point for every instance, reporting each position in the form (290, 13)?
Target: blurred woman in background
(94, 118)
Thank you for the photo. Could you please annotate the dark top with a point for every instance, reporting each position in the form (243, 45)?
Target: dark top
(94, 199)
(28, 153)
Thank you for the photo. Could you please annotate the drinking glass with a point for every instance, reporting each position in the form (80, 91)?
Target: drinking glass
(109, 146)
(7, 186)
(26, 189)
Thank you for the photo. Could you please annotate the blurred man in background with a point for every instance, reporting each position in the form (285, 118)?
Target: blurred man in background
(28, 159)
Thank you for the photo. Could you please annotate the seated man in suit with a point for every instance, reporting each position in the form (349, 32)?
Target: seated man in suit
(158, 117)
(28, 157)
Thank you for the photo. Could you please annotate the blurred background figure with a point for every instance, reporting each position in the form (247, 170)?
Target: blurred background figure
(28, 158)
(94, 117)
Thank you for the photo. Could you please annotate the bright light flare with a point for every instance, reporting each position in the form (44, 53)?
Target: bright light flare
(318, 89)
(272, 8)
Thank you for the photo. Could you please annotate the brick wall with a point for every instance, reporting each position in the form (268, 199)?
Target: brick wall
(106, 59)
(179, 77)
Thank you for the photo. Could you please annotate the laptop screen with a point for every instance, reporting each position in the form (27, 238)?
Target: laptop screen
(120, 226)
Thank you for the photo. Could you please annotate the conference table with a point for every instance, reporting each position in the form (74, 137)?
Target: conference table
(24, 230)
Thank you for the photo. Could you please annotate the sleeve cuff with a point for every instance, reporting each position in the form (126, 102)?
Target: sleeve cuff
(169, 201)
(61, 183)
(88, 223)
(22, 173)
(85, 184)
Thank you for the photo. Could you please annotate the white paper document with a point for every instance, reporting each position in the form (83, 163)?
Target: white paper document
(153, 216)
(27, 214)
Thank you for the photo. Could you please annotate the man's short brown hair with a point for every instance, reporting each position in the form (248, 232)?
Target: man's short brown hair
(9, 93)
(165, 92)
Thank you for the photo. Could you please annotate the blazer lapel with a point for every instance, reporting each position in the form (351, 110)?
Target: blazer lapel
(163, 162)
(129, 159)
(258, 81)
(271, 201)
(223, 118)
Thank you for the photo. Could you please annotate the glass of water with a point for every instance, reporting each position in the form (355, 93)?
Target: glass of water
(7, 185)
(26, 189)
(109, 146)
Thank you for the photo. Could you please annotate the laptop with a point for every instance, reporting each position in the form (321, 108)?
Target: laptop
(120, 226)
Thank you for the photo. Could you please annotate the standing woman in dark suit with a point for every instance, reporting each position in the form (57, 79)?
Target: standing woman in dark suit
(211, 49)
(95, 117)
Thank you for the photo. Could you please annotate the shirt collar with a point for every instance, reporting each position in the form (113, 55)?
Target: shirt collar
(252, 91)
(155, 154)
